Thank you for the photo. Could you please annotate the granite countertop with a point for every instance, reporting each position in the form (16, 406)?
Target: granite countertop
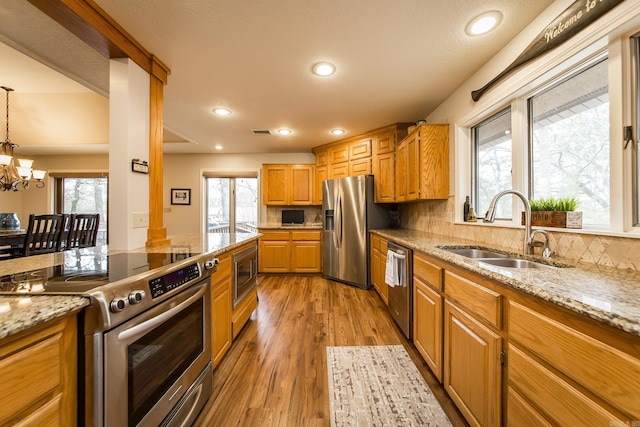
(305, 226)
(18, 313)
(606, 294)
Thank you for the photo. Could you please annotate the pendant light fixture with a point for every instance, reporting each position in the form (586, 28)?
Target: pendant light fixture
(12, 177)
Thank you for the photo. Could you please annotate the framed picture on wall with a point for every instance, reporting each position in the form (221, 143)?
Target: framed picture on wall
(180, 196)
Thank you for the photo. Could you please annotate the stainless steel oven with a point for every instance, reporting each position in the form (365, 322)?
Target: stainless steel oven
(146, 353)
(158, 365)
(245, 269)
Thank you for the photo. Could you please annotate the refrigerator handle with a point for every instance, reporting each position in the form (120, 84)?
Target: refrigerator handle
(337, 233)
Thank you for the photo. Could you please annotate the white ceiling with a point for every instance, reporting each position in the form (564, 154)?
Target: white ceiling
(396, 62)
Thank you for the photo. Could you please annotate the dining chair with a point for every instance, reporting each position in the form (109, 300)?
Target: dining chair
(43, 234)
(83, 230)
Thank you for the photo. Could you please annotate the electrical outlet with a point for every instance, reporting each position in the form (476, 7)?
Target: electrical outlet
(167, 210)
(448, 216)
(140, 220)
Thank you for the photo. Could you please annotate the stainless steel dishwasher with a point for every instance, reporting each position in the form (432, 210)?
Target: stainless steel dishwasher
(399, 260)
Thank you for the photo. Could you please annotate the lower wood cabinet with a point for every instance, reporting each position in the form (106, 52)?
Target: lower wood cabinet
(472, 369)
(378, 266)
(38, 375)
(512, 359)
(428, 312)
(242, 312)
(298, 251)
(222, 302)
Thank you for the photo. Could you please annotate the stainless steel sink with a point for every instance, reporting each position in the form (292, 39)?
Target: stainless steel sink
(475, 253)
(513, 263)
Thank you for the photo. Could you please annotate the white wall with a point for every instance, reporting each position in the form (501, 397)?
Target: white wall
(185, 171)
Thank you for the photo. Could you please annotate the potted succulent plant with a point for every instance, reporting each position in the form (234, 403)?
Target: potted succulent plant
(555, 212)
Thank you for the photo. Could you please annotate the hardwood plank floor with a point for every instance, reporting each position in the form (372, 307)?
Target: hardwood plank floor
(275, 373)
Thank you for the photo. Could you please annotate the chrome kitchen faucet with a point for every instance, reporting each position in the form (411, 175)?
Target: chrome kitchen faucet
(529, 242)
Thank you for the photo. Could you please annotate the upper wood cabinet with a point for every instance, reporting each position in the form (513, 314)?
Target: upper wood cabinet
(287, 184)
(369, 153)
(422, 164)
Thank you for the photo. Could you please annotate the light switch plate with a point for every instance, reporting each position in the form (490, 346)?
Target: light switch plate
(140, 220)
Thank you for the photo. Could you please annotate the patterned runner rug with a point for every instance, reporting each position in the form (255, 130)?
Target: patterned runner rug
(379, 386)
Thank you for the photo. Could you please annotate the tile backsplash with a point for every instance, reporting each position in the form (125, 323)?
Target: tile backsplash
(619, 252)
(311, 214)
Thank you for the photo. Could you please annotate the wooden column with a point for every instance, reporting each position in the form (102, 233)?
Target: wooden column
(157, 233)
(90, 23)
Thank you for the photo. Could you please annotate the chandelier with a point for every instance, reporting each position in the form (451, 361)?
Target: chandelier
(12, 177)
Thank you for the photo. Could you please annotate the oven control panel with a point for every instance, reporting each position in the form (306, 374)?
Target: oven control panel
(168, 282)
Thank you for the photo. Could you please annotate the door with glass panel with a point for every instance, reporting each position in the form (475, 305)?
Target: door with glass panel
(232, 204)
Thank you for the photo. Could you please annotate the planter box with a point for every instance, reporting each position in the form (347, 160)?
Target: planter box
(558, 219)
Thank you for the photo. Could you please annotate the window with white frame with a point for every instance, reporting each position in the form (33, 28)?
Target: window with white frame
(569, 142)
(232, 204)
(634, 139)
(492, 162)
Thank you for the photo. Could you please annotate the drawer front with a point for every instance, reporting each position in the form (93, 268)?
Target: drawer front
(481, 301)
(560, 401)
(429, 273)
(321, 158)
(385, 143)
(223, 270)
(339, 170)
(306, 235)
(274, 235)
(608, 372)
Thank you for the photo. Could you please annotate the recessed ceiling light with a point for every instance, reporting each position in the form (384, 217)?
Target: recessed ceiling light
(323, 69)
(338, 131)
(218, 147)
(484, 23)
(221, 111)
(285, 131)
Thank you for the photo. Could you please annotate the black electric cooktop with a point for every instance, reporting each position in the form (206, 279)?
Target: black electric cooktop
(84, 270)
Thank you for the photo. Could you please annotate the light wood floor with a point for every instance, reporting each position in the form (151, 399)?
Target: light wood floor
(275, 374)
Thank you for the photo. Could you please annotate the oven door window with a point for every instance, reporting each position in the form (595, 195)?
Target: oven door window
(158, 359)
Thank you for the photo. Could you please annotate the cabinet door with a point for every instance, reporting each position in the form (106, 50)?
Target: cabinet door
(301, 185)
(275, 181)
(472, 370)
(322, 158)
(339, 170)
(401, 172)
(360, 149)
(339, 154)
(274, 256)
(384, 288)
(306, 257)
(413, 166)
(427, 325)
(384, 171)
(434, 154)
(221, 304)
(360, 167)
(322, 174)
(385, 143)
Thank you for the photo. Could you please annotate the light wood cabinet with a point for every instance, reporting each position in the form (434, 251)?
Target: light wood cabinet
(378, 266)
(221, 304)
(428, 312)
(401, 172)
(288, 185)
(322, 174)
(38, 369)
(422, 164)
(472, 369)
(591, 381)
(366, 154)
(297, 251)
(384, 171)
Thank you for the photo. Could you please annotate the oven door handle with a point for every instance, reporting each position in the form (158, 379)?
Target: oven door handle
(155, 321)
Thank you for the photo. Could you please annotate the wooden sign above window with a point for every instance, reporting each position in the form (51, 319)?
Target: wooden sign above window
(575, 18)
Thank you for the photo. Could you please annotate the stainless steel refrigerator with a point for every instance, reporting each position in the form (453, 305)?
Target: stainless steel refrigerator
(349, 214)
